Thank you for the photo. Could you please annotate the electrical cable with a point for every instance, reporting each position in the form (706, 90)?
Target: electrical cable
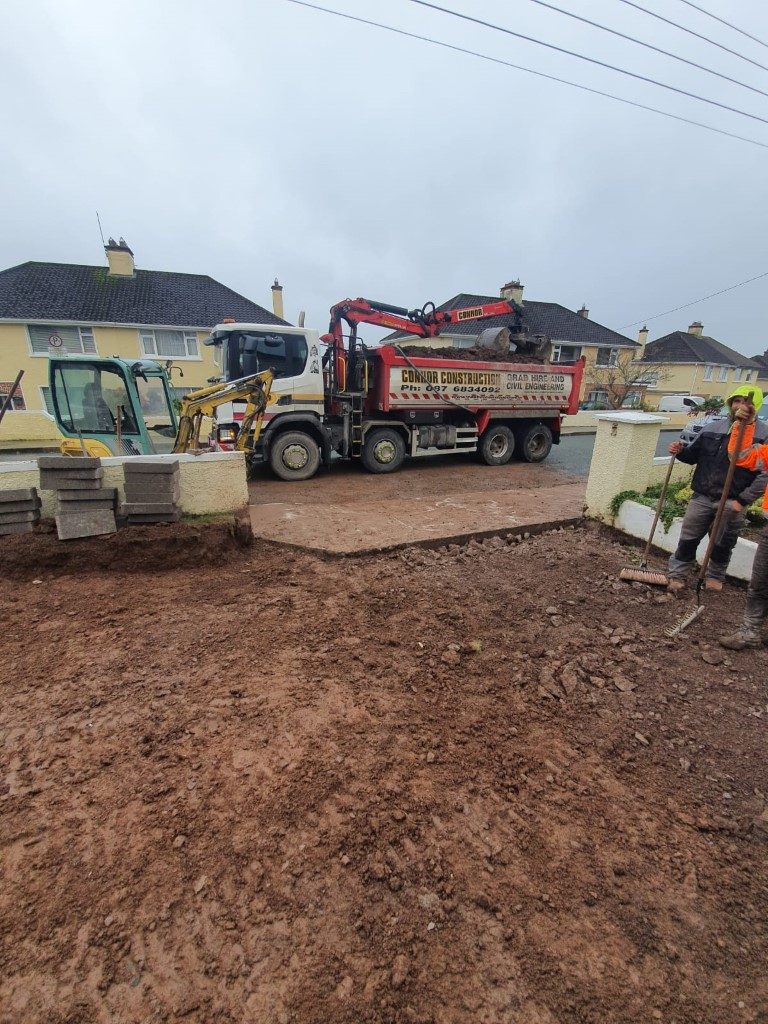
(590, 60)
(530, 71)
(649, 46)
(724, 22)
(695, 302)
(683, 28)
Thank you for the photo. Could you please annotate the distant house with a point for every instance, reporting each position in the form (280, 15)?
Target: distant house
(691, 363)
(62, 308)
(762, 373)
(572, 333)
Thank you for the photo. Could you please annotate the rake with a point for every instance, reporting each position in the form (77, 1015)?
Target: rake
(714, 535)
(641, 573)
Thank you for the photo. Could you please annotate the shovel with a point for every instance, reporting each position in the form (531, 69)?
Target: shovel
(714, 535)
(641, 573)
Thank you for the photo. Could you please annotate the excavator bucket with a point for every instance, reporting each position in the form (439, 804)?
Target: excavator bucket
(498, 339)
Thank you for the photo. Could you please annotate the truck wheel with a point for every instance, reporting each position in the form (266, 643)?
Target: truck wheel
(496, 446)
(534, 443)
(383, 451)
(294, 456)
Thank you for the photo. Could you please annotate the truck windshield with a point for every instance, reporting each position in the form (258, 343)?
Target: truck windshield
(250, 352)
(86, 397)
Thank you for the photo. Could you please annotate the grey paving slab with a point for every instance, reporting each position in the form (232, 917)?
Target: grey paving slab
(147, 467)
(8, 507)
(60, 483)
(19, 517)
(161, 517)
(67, 462)
(147, 508)
(11, 528)
(85, 524)
(19, 494)
(91, 494)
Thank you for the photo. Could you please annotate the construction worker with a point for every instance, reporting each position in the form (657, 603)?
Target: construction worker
(709, 453)
(754, 457)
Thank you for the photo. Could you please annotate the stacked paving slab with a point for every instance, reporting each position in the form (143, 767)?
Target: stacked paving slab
(85, 508)
(151, 491)
(19, 510)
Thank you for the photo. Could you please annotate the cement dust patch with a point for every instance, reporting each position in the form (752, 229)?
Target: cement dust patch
(382, 525)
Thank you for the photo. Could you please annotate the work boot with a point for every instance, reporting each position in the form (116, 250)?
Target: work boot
(741, 640)
(712, 584)
(675, 586)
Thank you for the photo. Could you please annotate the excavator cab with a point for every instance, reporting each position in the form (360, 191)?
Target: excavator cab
(112, 406)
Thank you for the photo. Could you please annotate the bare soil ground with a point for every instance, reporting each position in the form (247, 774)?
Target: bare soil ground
(437, 787)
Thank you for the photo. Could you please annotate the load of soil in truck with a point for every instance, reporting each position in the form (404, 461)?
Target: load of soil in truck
(474, 354)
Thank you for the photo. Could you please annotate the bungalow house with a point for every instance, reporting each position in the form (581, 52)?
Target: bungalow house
(572, 334)
(62, 308)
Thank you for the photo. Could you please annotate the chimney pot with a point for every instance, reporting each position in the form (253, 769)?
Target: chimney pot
(696, 328)
(584, 312)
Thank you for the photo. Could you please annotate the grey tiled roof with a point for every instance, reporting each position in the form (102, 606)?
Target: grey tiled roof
(549, 318)
(682, 347)
(71, 292)
(762, 362)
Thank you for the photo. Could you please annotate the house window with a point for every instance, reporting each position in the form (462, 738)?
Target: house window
(649, 379)
(47, 400)
(737, 374)
(722, 373)
(708, 372)
(598, 395)
(17, 402)
(607, 357)
(169, 344)
(48, 339)
(566, 353)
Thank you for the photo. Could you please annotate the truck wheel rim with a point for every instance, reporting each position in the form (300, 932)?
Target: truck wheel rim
(498, 446)
(537, 444)
(295, 456)
(384, 452)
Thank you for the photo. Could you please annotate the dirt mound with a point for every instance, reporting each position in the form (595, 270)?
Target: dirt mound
(150, 548)
(467, 786)
(485, 355)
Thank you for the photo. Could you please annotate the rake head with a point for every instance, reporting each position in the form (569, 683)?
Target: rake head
(684, 621)
(652, 576)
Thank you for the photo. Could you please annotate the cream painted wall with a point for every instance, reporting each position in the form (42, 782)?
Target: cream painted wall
(688, 378)
(35, 425)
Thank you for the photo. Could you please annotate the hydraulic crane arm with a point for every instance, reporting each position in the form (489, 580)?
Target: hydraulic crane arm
(253, 390)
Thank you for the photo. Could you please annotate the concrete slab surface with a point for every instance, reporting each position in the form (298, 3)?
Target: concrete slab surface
(368, 526)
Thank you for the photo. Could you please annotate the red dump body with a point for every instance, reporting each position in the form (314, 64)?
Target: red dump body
(522, 389)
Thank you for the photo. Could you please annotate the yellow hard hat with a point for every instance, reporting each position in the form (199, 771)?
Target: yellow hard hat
(743, 391)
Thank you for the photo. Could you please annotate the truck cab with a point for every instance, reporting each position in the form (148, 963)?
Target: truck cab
(297, 399)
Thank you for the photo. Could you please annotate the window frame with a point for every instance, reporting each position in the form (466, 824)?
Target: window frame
(188, 336)
(722, 374)
(709, 369)
(45, 410)
(613, 357)
(557, 346)
(81, 329)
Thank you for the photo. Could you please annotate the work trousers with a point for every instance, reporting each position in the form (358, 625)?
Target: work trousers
(757, 594)
(696, 522)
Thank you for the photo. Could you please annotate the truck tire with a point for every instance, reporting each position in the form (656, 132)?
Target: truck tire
(383, 450)
(496, 445)
(294, 456)
(534, 443)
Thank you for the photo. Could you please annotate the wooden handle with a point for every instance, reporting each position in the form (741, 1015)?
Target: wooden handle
(659, 507)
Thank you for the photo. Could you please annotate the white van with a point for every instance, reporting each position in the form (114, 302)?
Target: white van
(679, 403)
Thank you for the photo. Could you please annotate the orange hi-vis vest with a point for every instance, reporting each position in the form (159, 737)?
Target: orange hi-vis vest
(752, 456)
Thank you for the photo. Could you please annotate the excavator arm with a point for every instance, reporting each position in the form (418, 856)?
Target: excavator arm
(426, 322)
(253, 390)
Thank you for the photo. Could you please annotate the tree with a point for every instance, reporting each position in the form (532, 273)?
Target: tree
(625, 377)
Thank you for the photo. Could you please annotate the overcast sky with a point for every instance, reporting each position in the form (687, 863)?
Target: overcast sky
(249, 139)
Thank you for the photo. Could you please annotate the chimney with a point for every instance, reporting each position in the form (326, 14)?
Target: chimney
(584, 312)
(512, 292)
(642, 338)
(277, 299)
(696, 328)
(120, 258)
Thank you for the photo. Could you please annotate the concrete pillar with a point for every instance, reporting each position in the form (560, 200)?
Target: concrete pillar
(622, 459)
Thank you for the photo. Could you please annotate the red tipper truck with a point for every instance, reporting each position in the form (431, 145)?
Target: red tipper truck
(383, 405)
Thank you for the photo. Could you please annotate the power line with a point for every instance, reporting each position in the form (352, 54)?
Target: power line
(695, 302)
(520, 67)
(683, 28)
(724, 22)
(649, 46)
(589, 60)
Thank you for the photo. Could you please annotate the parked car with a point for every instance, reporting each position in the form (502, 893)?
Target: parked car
(690, 430)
